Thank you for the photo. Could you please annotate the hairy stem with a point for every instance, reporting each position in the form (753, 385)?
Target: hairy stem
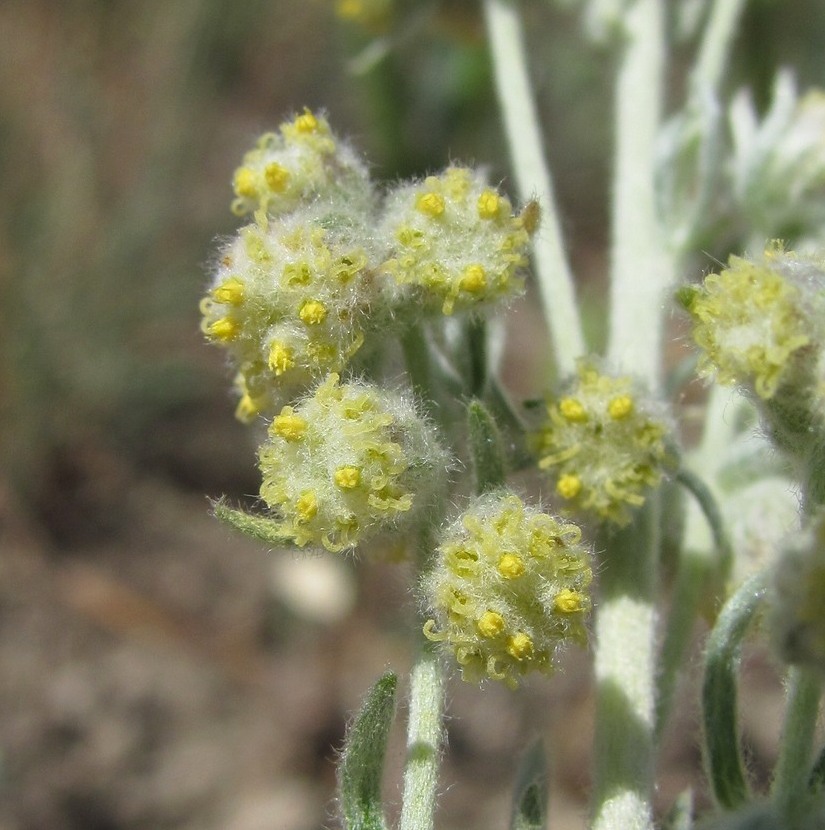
(533, 179)
(424, 740)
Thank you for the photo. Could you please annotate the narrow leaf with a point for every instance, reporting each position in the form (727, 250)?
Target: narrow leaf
(722, 751)
(485, 448)
(530, 797)
(256, 527)
(362, 762)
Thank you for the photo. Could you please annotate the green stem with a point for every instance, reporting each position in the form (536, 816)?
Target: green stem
(723, 757)
(425, 736)
(625, 674)
(533, 179)
(641, 272)
(715, 47)
(790, 787)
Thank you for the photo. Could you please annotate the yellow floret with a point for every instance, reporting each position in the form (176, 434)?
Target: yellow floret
(306, 123)
(277, 177)
(281, 358)
(620, 407)
(490, 624)
(569, 486)
(288, 425)
(431, 204)
(347, 477)
(225, 329)
(306, 507)
(229, 292)
(488, 204)
(313, 312)
(520, 646)
(572, 410)
(473, 279)
(568, 601)
(245, 183)
(511, 566)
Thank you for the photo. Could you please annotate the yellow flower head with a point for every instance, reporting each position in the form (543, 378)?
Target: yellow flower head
(455, 243)
(603, 445)
(347, 463)
(509, 586)
(290, 303)
(754, 320)
(301, 161)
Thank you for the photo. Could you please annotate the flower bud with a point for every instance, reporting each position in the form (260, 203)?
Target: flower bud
(455, 243)
(759, 322)
(289, 302)
(508, 587)
(604, 444)
(303, 160)
(347, 463)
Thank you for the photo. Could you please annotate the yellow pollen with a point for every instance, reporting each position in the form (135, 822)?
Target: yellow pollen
(620, 407)
(569, 486)
(229, 292)
(280, 358)
(277, 177)
(224, 329)
(306, 123)
(488, 204)
(568, 601)
(490, 624)
(347, 477)
(431, 204)
(473, 279)
(289, 426)
(572, 410)
(307, 506)
(245, 183)
(510, 566)
(520, 646)
(313, 312)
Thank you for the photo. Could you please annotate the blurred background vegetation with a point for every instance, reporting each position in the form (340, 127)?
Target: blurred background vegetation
(121, 122)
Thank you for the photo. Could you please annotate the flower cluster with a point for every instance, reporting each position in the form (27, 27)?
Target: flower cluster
(289, 303)
(756, 320)
(302, 161)
(508, 587)
(604, 444)
(346, 463)
(327, 264)
(457, 244)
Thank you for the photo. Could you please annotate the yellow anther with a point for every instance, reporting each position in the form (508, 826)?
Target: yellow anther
(313, 312)
(306, 123)
(430, 204)
(245, 183)
(490, 624)
(568, 601)
(225, 329)
(620, 407)
(569, 486)
(229, 292)
(288, 425)
(277, 177)
(488, 204)
(520, 646)
(572, 410)
(347, 477)
(307, 506)
(281, 358)
(510, 566)
(473, 280)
